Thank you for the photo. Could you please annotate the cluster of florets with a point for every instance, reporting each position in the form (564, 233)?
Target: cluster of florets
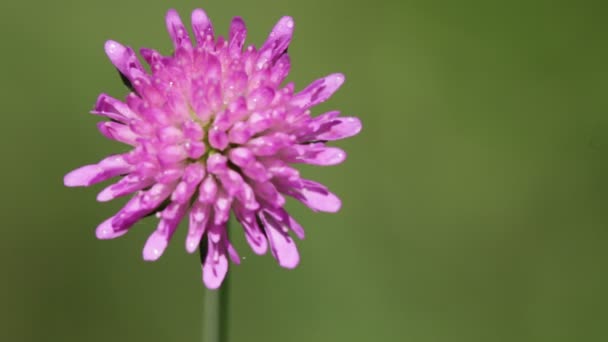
(214, 131)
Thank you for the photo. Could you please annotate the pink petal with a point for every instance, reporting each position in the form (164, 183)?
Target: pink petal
(105, 231)
(125, 186)
(125, 60)
(234, 86)
(320, 200)
(241, 156)
(207, 190)
(170, 174)
(342, 128)
(199, 216)
(318, 91)
(277, 42)
(269, 145)
(193, 175)
(221, 209)
(312, 194)
(232, 253)
(269, 194)
(113, 109)
(177, 30)
(215, 266)
(170, 135)
(314, 154)
(256, 171)
(217, 164)
(260, 98)
(141, 205)
(280, 70)
(295, 227)
(91, 174)
(259, 122)
(247, 197)
(240, 133)
(153, 58)
(118, 132)
(155, 246)
(329, 127)
(238, 34)
(193, 131)
(158, 241)
(255, 238)
(171, 154)
(231, 181)
(280, 169)
(284, 220)
(201, 25)
(282, 246)
(218, 138)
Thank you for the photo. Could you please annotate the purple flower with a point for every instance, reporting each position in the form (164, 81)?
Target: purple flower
(212, 130)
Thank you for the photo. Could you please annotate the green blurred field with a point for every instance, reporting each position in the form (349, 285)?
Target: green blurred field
(475, 199)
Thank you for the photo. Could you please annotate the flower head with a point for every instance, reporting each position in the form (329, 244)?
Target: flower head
(214, 131)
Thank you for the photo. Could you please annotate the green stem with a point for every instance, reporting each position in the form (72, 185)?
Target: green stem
(215, 314)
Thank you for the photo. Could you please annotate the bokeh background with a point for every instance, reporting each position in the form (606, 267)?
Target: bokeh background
(475, 198)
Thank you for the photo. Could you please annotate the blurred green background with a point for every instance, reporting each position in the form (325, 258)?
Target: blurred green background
(475, 199)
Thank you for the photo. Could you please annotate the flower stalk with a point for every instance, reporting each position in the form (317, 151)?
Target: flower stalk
(215, 313)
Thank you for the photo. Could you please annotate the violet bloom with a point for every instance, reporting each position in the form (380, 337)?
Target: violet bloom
(214, 131)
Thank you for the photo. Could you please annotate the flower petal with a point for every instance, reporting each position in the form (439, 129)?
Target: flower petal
(201, 25)
(280, 70)
(277, 42)
(282, 246)
(247, 197)
(241, 156)
(141, 205)
(221, 209)
(155, 246)
(281, 215)
(153, 58)
(312, 194)
(255, 238)
(314, 154)
(218, 138)
(193, 175)
(256, 171)
(215, 266)
(268, 194)
(113, 109)
(105, 231)
(232, 253)
(172, 154)
(207, 191)
(91, 174)
(341, 128)
(326, 202)
(199, 216)
(125, 60)
(119, 132)
(329, 127)
(158, 241)
(260, 98)
(177, 30)
(125, 186)
(318, 91)
(238, 34)
(269, 145)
